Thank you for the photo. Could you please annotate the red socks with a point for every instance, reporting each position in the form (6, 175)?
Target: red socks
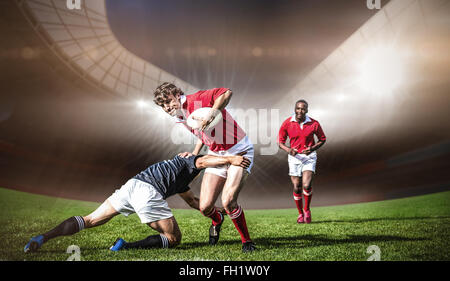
(298, 201)
(215, 216)
(308, 196)
(238, 218)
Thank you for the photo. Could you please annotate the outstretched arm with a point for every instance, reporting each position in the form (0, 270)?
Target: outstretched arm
(209, 161)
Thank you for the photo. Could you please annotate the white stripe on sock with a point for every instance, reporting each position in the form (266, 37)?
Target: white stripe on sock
(306, 193)
(237, 213)
(80, 222)
(165, 241)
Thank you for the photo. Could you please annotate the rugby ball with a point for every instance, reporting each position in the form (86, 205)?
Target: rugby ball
(197, 116)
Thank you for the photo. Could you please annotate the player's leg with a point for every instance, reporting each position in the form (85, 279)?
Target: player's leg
(169, 236)
(212, 185)
(233, 185)
(73, 225)
(100, 216)
(153, 210)
(307, 178)
(297, 195)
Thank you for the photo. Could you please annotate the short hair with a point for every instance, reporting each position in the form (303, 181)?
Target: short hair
(163, 92)
(302, 101)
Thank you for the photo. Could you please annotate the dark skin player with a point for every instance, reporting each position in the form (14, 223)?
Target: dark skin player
(307, 176)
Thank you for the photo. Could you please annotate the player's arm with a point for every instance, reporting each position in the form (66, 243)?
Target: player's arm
(190, 199)
(222, 101)
(198, 147)
(313, 148)
(219, 104)
(209, 161)
(289, 150)
(282, 137)
(321, 141)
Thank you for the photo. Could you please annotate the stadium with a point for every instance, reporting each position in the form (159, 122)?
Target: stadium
(77, 120)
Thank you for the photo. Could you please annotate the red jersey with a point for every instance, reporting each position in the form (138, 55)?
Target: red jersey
(226, 133)
(301, 135)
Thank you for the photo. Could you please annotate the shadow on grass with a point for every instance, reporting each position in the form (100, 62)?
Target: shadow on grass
(322, 240)
(378, 219)
(305, 241)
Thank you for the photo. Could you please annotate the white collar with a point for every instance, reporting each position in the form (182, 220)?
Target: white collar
(182, 101)
(307, 119)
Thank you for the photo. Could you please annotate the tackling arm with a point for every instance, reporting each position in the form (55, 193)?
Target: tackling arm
(209, 161)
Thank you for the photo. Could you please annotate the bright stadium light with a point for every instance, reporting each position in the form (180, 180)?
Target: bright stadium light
(381, 70)
(141, 104)
(340, 97)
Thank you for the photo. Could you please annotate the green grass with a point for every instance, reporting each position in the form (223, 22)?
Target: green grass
(415, 228)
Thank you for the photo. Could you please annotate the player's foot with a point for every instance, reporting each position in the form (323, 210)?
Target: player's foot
(300, 219)
(214, 232)
(307, 216)
(118, 245)
(34, 244)
(248, 247)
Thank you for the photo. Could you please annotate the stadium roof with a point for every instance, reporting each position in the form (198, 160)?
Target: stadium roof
(83, 40)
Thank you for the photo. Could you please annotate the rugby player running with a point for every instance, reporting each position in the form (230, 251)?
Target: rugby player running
(225, 138)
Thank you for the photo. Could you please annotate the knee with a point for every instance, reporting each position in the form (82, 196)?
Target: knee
(297, 189)
(297, 186)
(206, 209)
(89, 222)
(229, 204)
(174, 239)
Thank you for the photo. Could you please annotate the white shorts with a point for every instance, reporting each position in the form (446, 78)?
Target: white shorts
(301, 162)
(241, 146)
(141, 198)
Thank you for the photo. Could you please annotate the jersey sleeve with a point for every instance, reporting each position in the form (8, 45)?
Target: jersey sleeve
(190, 162)
(184, 189)
(319, 133)
(282, 134)
(208, 97)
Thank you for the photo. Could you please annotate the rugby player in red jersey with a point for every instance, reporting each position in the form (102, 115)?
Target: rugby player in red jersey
(225, 138)
(302, 156)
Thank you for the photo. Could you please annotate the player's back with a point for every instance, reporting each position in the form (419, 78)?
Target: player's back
(170, 176)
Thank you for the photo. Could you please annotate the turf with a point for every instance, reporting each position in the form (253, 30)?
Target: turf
(415, 228)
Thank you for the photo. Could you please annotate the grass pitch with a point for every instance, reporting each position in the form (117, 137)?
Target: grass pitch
(415, 228)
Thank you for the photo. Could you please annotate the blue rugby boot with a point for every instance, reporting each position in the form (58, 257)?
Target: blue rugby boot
(34, 244)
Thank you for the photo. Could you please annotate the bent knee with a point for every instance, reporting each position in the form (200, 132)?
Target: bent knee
(174, 239)
(89, 221)
(229, 204)
(206, 209)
